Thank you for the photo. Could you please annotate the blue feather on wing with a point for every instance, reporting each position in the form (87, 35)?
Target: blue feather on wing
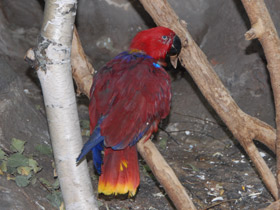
(96, 145)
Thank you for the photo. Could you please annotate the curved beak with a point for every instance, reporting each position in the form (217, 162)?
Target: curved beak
(175, 51)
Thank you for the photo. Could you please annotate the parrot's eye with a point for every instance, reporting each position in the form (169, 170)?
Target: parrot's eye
(164, 38)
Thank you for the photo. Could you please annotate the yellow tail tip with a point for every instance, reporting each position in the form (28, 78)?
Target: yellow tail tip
(119, 188)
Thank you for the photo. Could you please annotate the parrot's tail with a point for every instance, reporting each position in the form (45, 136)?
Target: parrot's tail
(120, 172)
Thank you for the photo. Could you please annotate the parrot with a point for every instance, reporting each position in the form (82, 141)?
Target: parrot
(128, 98)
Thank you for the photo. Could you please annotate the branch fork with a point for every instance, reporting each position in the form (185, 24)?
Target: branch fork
(256, 31)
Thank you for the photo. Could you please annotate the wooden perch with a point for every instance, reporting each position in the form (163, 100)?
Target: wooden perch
(273, 206)
(256, 31)
(82, 70)
(245, 128)
(264, 29)
(165, 175)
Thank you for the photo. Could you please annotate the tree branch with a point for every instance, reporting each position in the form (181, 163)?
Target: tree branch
(273, 206)
(244, 127)
(264, 29)
(165, 175)
(81, 67)
(52, 62)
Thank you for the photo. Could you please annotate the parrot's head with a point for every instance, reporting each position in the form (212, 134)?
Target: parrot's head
(157, 42)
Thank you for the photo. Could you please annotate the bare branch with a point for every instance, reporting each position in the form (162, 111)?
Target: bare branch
(273, 206)
(165, 175)
(264, 29)
(244, 127)
(81, 67)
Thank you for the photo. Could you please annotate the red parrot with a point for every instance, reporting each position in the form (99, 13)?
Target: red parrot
(128, 98)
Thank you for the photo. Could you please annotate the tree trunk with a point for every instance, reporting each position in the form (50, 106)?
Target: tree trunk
(54, 72)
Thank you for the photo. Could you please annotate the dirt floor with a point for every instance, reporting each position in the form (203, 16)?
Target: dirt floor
(216, 173)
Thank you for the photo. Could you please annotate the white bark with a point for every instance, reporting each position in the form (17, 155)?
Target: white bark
(53, 55)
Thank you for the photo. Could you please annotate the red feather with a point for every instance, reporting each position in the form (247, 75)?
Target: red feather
(131, 93)
(161, 39)
(124, 176)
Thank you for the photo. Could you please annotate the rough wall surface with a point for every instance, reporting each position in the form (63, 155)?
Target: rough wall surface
(105, 28)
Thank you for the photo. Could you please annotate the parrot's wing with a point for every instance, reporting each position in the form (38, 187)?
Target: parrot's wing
(131, 93)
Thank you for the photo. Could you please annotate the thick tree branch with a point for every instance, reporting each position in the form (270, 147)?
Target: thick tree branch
(165, 175)
(52, 62)
(81, 67)
(273, 206)
(244, 127)
(264, 29)
(162, 171)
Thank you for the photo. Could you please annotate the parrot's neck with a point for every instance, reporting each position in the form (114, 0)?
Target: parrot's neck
(160, 62)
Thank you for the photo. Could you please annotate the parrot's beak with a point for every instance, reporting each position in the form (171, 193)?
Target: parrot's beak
(175, 51)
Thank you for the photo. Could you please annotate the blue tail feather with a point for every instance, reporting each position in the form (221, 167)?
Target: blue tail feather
(94, 144)
(97, 156)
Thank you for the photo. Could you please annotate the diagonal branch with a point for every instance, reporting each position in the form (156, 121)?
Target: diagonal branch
(165, 175)
(273, 206)
(82, 70)
(264, 29)
(244, 127)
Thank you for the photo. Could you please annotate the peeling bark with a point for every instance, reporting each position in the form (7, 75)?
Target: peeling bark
(52, 59)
